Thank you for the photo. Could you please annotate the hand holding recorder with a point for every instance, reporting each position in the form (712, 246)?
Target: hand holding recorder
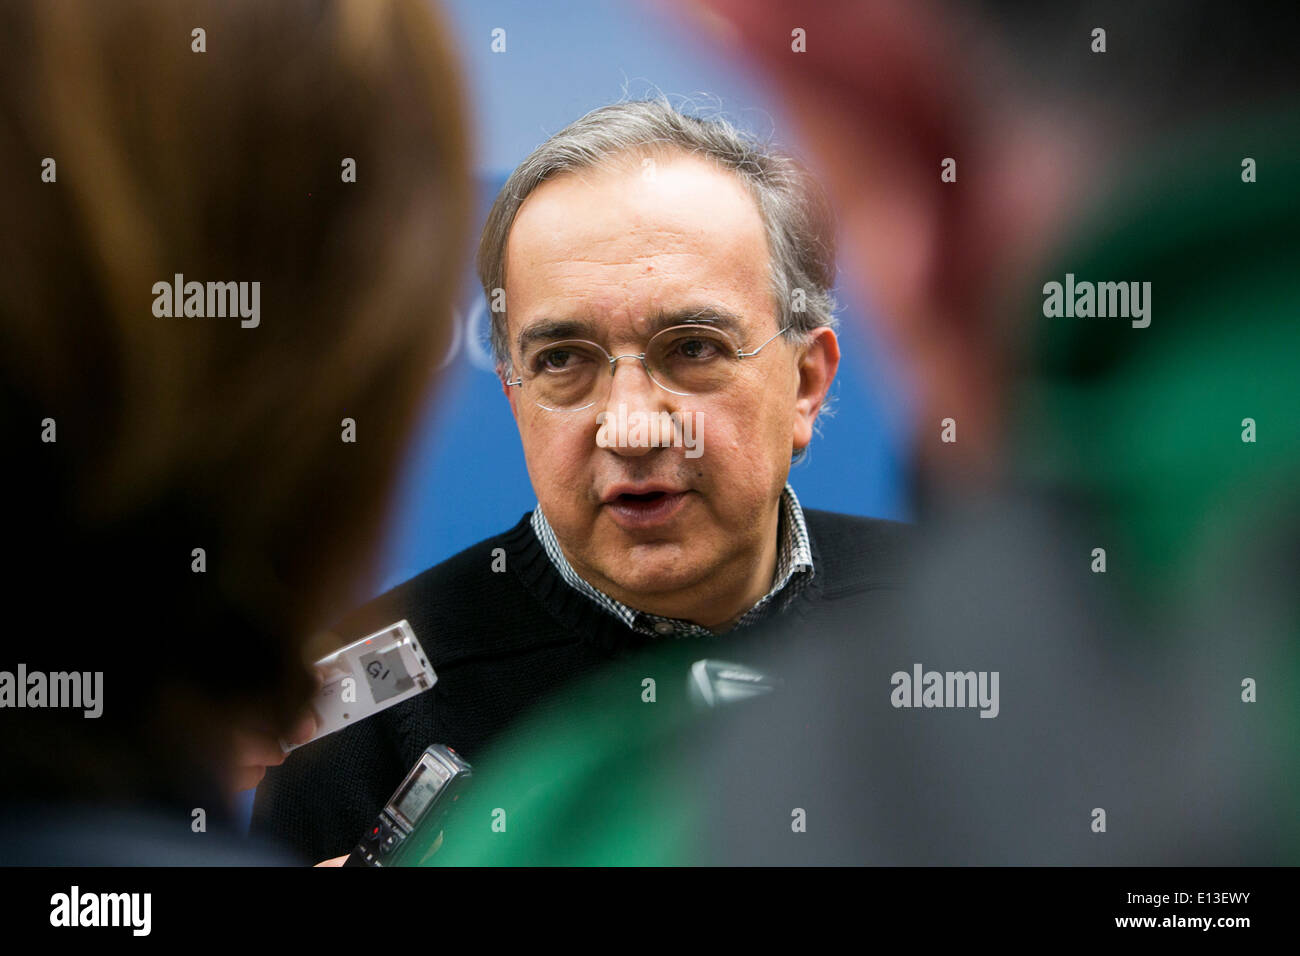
(354, 682)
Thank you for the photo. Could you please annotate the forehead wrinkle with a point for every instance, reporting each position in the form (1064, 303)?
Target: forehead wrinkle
(596, 272)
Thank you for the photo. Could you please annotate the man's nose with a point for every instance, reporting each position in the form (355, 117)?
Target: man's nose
(632, 405)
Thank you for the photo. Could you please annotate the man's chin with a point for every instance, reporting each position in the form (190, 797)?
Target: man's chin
(646, 573)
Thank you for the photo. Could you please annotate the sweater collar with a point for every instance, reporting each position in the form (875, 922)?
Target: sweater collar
(794, 569)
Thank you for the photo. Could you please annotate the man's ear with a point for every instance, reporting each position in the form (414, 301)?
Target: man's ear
(507, 390)
(817, 366)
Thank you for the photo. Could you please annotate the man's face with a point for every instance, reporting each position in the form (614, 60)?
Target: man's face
(613, 254)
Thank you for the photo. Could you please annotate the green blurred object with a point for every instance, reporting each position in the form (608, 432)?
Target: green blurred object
(593, 779)
(1141, 428)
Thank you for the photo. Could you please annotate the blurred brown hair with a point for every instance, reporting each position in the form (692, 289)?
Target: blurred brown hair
(180, 433)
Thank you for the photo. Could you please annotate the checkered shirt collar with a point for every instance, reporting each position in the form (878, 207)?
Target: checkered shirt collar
(794, 569)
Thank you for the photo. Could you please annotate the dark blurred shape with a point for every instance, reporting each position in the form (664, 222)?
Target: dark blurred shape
(184, 432)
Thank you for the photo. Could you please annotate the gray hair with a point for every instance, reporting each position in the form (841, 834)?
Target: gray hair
(795, 212)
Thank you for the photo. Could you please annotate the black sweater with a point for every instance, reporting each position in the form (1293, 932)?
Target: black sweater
(500, 641)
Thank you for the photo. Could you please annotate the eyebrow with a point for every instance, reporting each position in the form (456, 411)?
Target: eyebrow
(554, 330)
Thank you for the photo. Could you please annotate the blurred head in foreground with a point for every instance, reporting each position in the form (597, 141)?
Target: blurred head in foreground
(967, 143)
(304, 164)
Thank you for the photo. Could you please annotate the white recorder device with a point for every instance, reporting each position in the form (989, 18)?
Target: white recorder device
(367, 676)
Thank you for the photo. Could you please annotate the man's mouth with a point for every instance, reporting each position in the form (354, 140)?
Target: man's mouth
(633, 509)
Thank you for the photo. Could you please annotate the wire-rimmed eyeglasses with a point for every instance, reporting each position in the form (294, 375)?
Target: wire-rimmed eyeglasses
(567, 376)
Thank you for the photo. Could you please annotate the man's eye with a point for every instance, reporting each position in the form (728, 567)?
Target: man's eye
(560, 359)
(698, 350)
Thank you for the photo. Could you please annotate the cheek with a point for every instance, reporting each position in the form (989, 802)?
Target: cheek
(747, 445)
(557, 459)
(761, 425)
